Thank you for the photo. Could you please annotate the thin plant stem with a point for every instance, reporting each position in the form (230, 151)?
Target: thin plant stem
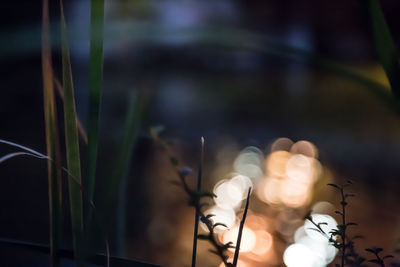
(343, 235)
(52, 141)
(197, 213)
(239, 238)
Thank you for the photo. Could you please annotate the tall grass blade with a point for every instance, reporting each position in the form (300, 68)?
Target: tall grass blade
(384, 44)
(72, 146)
(115, 197)
(52, 141)
(27, 149)
(95, 87)
(81, 129)
(239, 238)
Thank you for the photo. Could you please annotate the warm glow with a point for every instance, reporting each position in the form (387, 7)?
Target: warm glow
(271, 192)
(294, 194)
(276, 163)
(306, 148)
(222, 215)
(248, 241)
(299, 168)
(263, 243)
(282, 143)
(323, 207)
(287, 222)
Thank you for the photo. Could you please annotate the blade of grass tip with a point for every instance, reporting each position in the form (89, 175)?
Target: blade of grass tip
(197, 214)
(95, 87)
(72, 146)
(30, 150)
(70, 177)
(116, 187)
(81, 129)
(52, 141)
(384, 45)
(239, 238)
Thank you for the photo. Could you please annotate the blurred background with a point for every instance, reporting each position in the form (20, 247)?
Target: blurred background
(257, 79)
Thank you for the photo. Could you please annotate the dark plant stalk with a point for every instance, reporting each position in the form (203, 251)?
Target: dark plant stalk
(197, 213)
(239, 238)
(52, 141)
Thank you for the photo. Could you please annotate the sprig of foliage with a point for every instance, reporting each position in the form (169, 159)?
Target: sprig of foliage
(339, 237)
(349, 256)
(378, 260)
(342, 228)
(195, 200)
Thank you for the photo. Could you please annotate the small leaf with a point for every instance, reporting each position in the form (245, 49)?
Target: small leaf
(335, 185)
(228, 245)
(206, 194)
(203, 237)
(210, 215)
(388, 256)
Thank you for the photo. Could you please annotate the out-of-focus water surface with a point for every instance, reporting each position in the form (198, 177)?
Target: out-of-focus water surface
(222, 70)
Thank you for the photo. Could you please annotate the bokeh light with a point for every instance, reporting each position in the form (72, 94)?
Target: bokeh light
(299, 255)
(327, 224)
(282, 143)
(305, 148)
(276, 163)
(226, 216)
(248, 241)
(248, 163)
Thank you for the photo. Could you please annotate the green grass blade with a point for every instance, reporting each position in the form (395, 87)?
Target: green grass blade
(81, 129)
(72, 147)
(95, 86)
(52, 141)
(115, 197)
(384, 45)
